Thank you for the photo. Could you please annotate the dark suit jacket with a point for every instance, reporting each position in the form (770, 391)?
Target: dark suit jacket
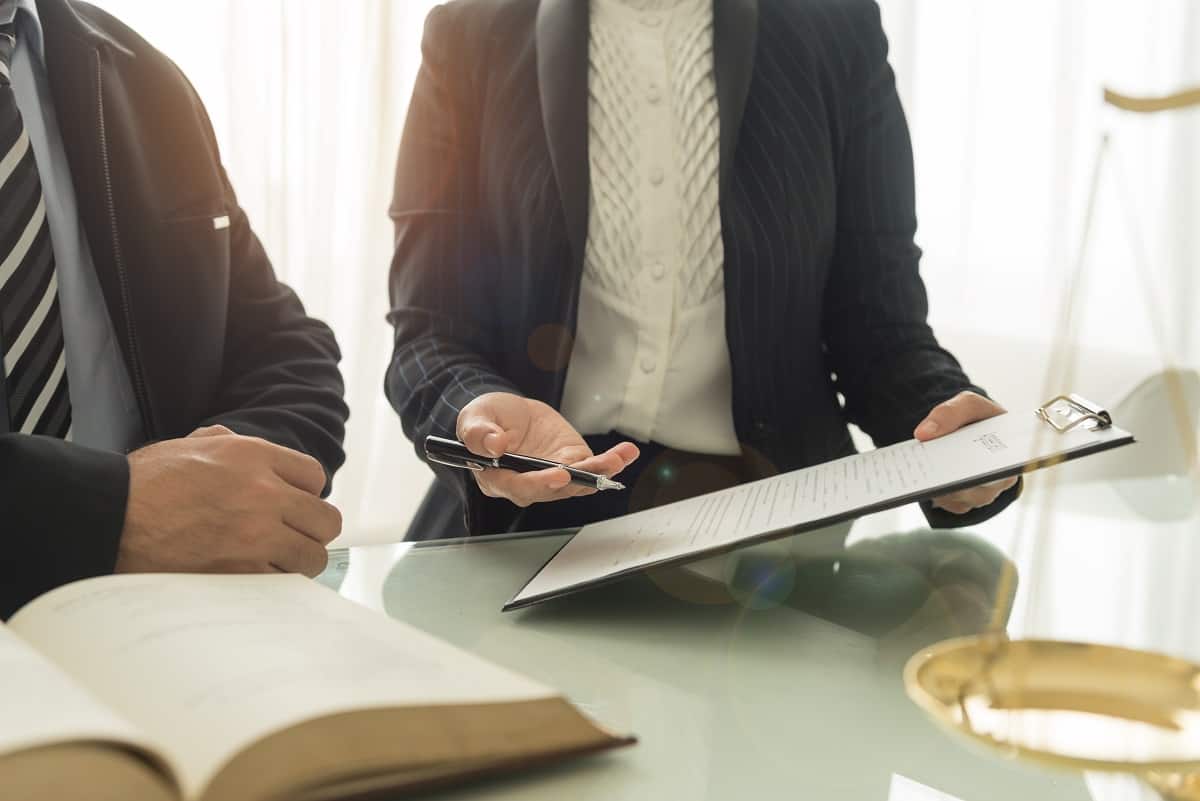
(817, 208)
(208, 333)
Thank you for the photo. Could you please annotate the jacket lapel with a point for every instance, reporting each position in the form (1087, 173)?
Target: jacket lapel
(76, 52)
(562, 60)
(735, 40)
(66, 20)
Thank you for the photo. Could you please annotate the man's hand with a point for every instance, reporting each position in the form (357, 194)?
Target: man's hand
(499, 423)
(217, 502)
(959, 411)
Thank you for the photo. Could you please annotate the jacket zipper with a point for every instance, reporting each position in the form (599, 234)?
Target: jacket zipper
(139, 381)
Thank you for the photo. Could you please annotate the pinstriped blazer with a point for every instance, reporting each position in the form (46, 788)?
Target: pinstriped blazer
(826, 309)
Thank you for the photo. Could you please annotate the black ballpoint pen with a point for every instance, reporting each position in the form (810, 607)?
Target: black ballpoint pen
(454, 454)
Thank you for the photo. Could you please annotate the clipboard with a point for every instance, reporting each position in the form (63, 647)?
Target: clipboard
(1065, 428)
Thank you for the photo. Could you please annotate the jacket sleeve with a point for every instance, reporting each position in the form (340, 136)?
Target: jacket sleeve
(280, 379)
(441, 360)
(62, 510)
(889, 365)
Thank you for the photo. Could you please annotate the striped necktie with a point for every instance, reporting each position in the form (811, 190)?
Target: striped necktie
(31, 332)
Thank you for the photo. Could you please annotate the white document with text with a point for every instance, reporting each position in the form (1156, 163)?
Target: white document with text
(810, 499)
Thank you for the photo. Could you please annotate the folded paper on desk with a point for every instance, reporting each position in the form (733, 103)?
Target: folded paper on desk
(254, 688)
(821, 496)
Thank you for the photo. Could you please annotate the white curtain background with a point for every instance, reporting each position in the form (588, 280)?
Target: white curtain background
(308, 100)
(1005, 102)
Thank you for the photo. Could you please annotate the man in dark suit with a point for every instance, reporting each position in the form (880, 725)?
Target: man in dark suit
(139, 315)
(561, 162)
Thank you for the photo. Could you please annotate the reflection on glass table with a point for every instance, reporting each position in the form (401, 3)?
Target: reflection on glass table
(776, 672)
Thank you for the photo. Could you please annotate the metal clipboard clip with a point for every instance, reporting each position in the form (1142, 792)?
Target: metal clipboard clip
(1068, 412)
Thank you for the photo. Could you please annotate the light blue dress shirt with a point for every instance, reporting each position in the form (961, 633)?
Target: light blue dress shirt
(103, 405)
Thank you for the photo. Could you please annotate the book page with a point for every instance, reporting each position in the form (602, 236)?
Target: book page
(40, 705)
(207, 665)
(836, 490)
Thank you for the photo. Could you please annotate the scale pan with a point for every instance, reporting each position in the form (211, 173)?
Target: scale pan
(1074, 705)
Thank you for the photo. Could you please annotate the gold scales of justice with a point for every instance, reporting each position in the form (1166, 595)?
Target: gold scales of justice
(1075, 705)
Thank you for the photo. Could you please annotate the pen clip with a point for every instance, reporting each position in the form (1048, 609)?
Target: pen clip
(457, 465)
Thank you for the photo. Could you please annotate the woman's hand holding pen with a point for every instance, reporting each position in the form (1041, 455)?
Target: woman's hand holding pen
(499, 423)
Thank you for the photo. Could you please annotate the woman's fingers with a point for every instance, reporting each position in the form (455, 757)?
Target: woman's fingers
(960, 503)
(526, 489)
(961, 410)
(482, 437)
(545, 486)
(499, 423)
(492, 423)
(611, 462)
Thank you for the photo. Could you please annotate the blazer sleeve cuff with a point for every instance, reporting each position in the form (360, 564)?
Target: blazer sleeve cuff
(941, 519)
(64, 513)
(482, 515)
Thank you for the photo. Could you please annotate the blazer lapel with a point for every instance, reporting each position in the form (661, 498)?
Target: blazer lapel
(562, 59)
(735, 39)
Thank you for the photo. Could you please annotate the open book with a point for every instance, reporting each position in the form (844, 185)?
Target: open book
(249, 688)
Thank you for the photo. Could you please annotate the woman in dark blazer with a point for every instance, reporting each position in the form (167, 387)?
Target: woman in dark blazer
(561, 161)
